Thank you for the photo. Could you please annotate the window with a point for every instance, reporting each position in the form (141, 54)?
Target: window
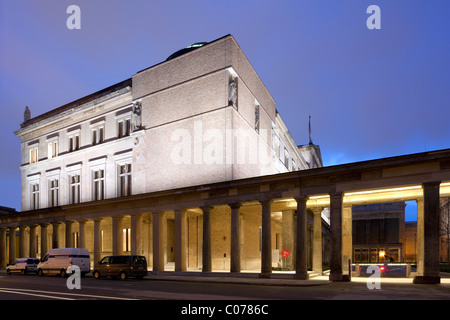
(98, 185)
(53, 193)
(126, 246)
(75, 239)
(124, 183)
(257, 118)
(34, 155)
(97, 135)
(74, 143)
(34, 196)
(74, 189)
(52, 149)
(286, 158)
(123, 128)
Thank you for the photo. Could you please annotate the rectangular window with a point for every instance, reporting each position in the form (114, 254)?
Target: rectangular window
(53, 193)
(74, 143)
(34, 196)
(98, 185)
(97, 136)
(52, 149)
(126, 245)
(123, 128)
(34, 154)
(124, 183)
(75, 240)
(286, 158)
(74, 189)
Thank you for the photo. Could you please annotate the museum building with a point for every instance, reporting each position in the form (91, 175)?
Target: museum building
(114, 171)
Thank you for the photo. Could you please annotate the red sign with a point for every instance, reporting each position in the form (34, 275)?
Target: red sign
(285, 253)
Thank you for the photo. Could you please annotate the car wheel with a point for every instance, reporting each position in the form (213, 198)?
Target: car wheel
(96, 275)
(8, 271)
(40, 273)
(123, 276)
(22, 272)
(63, 273)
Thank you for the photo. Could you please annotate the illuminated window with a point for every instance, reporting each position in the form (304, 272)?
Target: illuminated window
(34, 155)
(126, 245)
(52, 149)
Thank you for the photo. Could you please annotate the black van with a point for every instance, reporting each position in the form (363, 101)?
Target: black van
(122, 266)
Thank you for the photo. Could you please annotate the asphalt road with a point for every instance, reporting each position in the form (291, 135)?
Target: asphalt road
(176, 297)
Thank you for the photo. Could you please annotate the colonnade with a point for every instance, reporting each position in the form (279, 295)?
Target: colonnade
(340, 230)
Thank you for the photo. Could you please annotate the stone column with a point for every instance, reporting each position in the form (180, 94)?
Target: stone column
(317, 241)
(33, 241)
(117, 235)
(3, 261)
(420, 237)
(180, 240)
(69, 238)
(12, 244)
(336, 237)
(136, 234)
(97, 240)
(55, 236)
(347, 245)
(206, 251)
(23, 252)
(82, 233)
(430, 234)
(301, 267)
(235, 250)
(44, 239)
(266, 245)
(159, 239)
(288, 235)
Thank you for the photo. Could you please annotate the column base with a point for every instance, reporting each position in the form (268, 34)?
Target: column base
(301, 276)
(339, 278)
(427, 280)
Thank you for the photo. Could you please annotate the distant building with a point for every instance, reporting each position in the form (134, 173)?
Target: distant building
(379, 227)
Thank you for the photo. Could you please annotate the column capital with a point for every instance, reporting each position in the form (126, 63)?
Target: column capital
(235, 205)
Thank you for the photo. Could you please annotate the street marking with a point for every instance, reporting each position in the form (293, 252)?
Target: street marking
(35, 295)
(19, 291)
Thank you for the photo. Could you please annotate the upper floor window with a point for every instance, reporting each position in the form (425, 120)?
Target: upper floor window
(257, 118)
(34, 155)
(74, 142)
(98, 185)
(34, 196)
(124, 183)
(52, 149)
(74, 189)
(123, 127)
(53, 193)
(97, 135)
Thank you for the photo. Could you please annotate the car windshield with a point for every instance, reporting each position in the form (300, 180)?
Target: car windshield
(139, 260)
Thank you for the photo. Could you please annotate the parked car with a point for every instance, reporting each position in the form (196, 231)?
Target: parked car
(23, 265)
(122, 266)
(57, 261)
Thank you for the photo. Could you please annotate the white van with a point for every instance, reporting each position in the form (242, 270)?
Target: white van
(23, 265)
(57, 261)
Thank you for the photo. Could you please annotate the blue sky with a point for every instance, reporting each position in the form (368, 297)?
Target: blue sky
(370, 93)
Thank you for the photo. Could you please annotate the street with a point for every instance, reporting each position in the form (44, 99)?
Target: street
(186, 297)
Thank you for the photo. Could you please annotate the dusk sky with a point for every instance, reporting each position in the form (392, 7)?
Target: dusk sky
(370, 93)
